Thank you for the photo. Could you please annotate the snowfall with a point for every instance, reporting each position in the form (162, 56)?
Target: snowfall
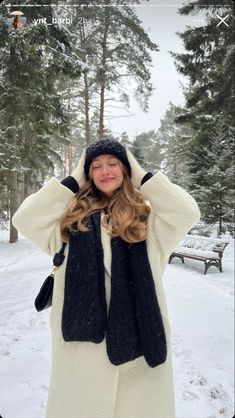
(201, 313)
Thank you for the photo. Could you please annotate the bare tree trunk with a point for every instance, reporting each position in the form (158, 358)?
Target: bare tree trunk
(220, 213)
(69, 156)
(86, 91)
(104, 56)
(27, 188)
(64, 158)
(86, 102)
(13, 192)
(101, 124)
(14, 204)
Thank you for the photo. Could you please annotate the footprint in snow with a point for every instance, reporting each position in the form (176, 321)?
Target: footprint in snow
(217, 392)
(189, 396)
(202, 381)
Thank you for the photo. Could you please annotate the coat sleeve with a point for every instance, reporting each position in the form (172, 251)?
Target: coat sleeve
(174, 211)
(38, 217)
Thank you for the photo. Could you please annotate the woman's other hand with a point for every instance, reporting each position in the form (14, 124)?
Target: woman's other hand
(137, 172)
(79, 173)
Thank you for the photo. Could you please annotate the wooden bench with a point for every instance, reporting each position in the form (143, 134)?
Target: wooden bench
(208, 250)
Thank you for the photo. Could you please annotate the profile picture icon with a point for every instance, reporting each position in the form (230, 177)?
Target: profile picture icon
(17, 21)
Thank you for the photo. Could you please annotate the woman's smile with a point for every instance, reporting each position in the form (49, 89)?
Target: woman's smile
(107, 180)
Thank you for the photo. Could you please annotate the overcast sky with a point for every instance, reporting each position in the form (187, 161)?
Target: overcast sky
(161, 21)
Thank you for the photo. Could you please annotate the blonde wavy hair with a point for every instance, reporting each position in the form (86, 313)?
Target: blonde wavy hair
(126, 208)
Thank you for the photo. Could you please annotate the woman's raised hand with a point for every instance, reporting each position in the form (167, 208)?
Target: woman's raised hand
(79, 173)
(137, 172)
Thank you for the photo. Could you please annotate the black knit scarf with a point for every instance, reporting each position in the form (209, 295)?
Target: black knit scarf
(133, 325)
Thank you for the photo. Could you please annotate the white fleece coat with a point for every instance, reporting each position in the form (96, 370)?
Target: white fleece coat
(84, 383)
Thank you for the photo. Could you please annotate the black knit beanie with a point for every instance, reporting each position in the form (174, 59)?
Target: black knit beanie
(106, 146)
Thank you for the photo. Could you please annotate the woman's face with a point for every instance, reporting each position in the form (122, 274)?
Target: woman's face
(107, 173)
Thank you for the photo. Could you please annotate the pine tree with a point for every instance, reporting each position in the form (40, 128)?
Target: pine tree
(29, 108)
(149, 145)
(125, 140)
(117, 51)
(208, 63)
(216, 196)
(175, 146)
(137, 151)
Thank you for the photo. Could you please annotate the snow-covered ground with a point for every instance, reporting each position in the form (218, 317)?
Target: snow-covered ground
(201, 314)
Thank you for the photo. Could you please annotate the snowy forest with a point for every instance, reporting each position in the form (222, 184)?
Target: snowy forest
(69, 75)
(61, 83)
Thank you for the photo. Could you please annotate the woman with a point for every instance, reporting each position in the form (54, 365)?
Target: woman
(111, 338)
(17, 24)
